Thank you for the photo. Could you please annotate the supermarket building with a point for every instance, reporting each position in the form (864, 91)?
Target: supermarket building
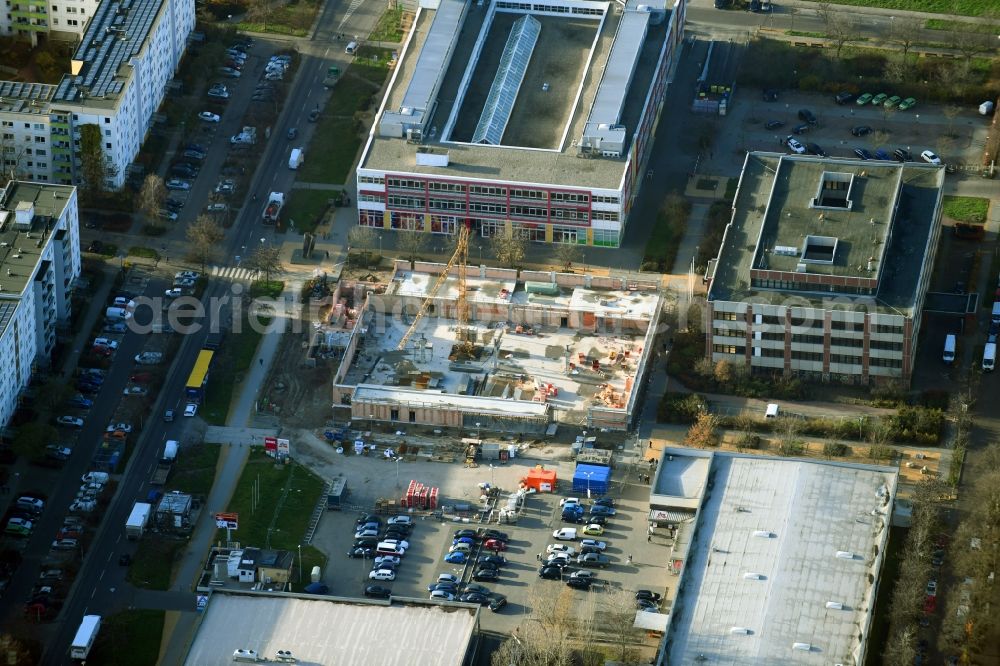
(526, 117)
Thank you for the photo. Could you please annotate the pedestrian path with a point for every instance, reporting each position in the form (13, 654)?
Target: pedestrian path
(233, 273)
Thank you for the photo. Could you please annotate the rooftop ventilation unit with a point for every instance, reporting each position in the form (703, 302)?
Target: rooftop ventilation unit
(786, 250)
(754, 576)
(764, 534)
(743, 631)
(845, 555)
(804, 647)
(834, 605)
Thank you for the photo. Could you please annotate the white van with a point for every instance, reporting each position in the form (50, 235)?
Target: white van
(772, 411)
(996, 312)
(990, 356)
(351, 48)
(565, 534)
(949, 349)
(117, 313)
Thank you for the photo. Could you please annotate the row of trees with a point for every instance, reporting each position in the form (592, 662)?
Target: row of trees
(561, 632)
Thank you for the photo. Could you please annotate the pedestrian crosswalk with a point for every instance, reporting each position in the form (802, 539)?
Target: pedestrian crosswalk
(234, 273)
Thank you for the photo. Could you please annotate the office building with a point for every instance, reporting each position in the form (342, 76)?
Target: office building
(824, 268)
(532, 118)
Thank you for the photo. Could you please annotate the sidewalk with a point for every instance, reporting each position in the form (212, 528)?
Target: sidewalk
(180, 625)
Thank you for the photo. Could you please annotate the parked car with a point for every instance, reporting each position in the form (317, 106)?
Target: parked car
(377, 592)
(361, 551)
(816, 149)
(593, 543)
(593, 560)
(892, 102)
(457, 557)
(474, 598)
(168, 215)
(800, 129)
(493, 560)
(550, 573)
(65, 544)
(177, 184)
(795, 146)
(879, 98)
(497, 601)
(81, 402)
(486, 575)
(400, 520)
(190, 409)
(903, 155)
(70, 421)
(230, 72)
(844, 97)
(907, 103)
(209, 117)
(602, 510)
(382, 574)
(314, 115)
(807, 116)
(495, 545)
(19, 526)
(863, 99)
(882, 155)
(562, 548)
(929, 157)
(442, 595)
(593, 530)
(292, 133)
(578, 583)
(647, 594)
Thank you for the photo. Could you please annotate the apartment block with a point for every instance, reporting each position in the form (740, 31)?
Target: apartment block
(39, 262)
(824, 268)
(119, 74)
(54, 19)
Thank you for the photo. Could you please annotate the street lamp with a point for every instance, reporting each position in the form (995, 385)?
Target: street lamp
(397, 470)
(493, 470)
(588, 475)
(300, 564)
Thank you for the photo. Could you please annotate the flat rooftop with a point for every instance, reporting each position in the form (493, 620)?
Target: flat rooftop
(680, 480)
(20, 97)
(117, 32)
(776, 542)
(883, 234)
(552, 119)
(332, 630)
(19, 251)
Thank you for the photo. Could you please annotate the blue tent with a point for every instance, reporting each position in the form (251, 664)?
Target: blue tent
(596, 478)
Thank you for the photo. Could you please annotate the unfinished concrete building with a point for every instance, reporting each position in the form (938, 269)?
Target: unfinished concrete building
(539, 348)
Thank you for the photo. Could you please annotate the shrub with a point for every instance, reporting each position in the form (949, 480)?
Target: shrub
(702, 434)
(935, 399)
(881, 452)
(920, 425)
(836, 450)
(748, 440)
(791, 447)
(680, 407)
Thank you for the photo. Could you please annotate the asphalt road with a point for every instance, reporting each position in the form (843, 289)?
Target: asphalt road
(100, 582)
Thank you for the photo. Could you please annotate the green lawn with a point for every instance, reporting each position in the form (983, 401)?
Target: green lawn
(194, 471)
(665, 239)
(154, 561)
(144, 252)
(962, 7)
(293, 19)
(338, 137)
(944, 24)
(263, 288)
(230, 362)
(286, 497)
(307, 207)
(971, 210)
(129, 638)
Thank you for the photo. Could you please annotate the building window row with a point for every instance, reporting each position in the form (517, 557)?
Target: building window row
(768, 352)
(569, 197)
(886, 345)
(436, 186)
(725, 316)
(447, 204)
(856, 326)
(406, 202)
(848, 342)
(488, 190)
(893, 330)
(517, 193)
(807, 339)
(406, 184)
(487, 208)
(606, 200)
(807, 356)
(886, 362)
(728, 333)
(606, 237)
(611, 216)
(728, 349)
(530, 232)
(844, 358)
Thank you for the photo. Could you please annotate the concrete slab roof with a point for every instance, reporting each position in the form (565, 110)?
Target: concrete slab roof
(680, 480)
(329, 630)
(471, 162)
(889, 224)
(19, 252)
(418, 285)
(782, 563)
(472, 403)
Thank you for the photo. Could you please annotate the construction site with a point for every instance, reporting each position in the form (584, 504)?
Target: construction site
(483, 348)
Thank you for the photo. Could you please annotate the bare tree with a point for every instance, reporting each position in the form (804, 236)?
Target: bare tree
(841, 27)
(265, 259)
(951, 112)
(619, 619)
(152, 194)
(545, 639)
(969, 43)
(901, 650)
(411, 244)
(906, 32)
(203, 237)
(565, 254)
(509, 247)
(364, 239)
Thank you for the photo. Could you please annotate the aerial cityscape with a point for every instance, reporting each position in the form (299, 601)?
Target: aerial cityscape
(366, 333)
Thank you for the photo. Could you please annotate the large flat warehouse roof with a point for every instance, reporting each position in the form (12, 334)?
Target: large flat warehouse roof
(782, 569)
(552, 108)
(332, 631)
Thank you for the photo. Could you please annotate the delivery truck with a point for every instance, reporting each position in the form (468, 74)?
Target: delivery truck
(138, 520)
(296, 159)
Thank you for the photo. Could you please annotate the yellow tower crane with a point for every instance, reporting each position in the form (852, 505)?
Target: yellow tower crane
(460, 260)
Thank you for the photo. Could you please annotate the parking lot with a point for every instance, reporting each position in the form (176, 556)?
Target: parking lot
(923, 127)
(370, 478)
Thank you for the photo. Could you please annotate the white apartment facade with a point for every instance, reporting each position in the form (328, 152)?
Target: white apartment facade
(116, 89)
(39, 262)
(57, 19)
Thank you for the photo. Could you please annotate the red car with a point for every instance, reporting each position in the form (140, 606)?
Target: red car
(495, 545)
(930, 604)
